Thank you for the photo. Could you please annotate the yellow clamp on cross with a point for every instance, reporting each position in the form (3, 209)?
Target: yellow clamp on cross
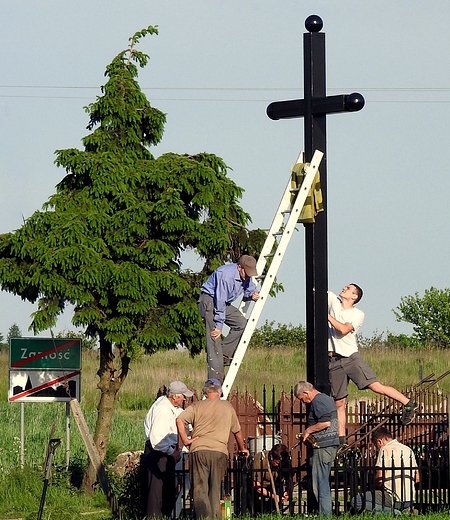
(314, 202)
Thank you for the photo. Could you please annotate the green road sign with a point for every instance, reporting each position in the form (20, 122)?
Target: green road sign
(45, 353)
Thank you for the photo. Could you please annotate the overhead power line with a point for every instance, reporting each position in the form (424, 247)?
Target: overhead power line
(236, 89)
(294, 90)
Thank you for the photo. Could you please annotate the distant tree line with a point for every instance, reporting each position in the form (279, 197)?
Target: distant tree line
(428, 314)
(13, 332)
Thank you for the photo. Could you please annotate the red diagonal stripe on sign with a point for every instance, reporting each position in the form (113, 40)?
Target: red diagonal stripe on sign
(45, 353)
(45, 385)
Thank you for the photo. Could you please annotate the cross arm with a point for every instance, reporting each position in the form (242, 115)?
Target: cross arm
(319, 106)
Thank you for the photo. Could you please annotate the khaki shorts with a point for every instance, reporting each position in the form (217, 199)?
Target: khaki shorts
(341, 370)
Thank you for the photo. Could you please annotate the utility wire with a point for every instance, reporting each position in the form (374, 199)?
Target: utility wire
(428, 90)
(234, 89)
(223, 100)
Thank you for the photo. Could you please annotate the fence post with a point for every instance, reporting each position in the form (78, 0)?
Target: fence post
(448, 439)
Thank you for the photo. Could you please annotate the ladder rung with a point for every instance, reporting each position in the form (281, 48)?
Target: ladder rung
(269, 256)
(277, 234)
(286, 212)
(294, 190)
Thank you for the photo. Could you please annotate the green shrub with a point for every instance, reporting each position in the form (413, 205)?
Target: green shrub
(403, 341)
(127, 490)
(377, 340)
(283, 335)
(429, 316)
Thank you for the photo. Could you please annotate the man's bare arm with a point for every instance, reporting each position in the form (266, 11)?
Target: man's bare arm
(240, 443)
(319, 426)
(343, 328)
(182, 434)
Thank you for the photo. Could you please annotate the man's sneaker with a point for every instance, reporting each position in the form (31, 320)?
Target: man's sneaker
(226, 361)
(409, 412)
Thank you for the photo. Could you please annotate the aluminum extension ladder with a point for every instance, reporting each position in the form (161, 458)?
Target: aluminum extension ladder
(275, 246)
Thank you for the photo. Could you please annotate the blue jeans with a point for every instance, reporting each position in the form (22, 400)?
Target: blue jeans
(320, 461)
(365, 503)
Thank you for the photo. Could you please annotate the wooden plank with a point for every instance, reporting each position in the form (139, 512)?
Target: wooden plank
(95, 457)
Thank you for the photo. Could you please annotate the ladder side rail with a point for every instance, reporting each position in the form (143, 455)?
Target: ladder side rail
(271, 238)
(283, 207)
(311, 171)
(275, 227)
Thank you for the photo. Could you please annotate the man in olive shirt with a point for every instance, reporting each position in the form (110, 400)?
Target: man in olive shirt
(212, 419)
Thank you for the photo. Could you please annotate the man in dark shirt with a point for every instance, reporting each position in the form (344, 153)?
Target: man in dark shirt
(268, 480)
(322, 438)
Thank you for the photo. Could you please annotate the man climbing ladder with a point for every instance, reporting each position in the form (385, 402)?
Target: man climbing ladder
(219, 291)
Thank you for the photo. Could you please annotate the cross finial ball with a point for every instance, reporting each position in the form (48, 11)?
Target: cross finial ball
(354, 102)
(313, 23)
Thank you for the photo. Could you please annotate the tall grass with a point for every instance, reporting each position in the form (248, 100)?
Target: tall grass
(277, 367)
(20, 496)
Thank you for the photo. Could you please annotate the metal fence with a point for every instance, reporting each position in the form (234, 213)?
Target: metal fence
(351, 475)
(274, 421)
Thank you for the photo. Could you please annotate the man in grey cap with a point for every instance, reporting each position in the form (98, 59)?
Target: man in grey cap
(161, 452)
(219, 291)
(212, 420)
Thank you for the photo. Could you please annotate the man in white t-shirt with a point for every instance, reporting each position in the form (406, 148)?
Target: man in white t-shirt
(395, 477)
(161, 452)
(345, 362)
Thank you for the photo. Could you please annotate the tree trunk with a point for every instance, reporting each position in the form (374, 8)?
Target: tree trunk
(109, 385)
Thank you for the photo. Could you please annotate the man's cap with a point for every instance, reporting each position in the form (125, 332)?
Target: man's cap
(213, 381)
(249, 265)
(178, 387)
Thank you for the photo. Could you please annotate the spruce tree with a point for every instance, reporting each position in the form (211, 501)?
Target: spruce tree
(13, 332)
(110, 240)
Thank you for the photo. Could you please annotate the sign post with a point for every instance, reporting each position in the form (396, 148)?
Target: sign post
(44, 370)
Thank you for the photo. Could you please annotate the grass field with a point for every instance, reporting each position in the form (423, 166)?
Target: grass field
(278, 367)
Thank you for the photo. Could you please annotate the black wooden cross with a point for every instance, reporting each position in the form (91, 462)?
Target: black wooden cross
(314, 108)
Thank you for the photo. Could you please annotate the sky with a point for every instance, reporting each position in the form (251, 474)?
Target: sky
(214, 68)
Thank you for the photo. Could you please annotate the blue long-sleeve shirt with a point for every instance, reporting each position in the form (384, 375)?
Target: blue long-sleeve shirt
(225, 285)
